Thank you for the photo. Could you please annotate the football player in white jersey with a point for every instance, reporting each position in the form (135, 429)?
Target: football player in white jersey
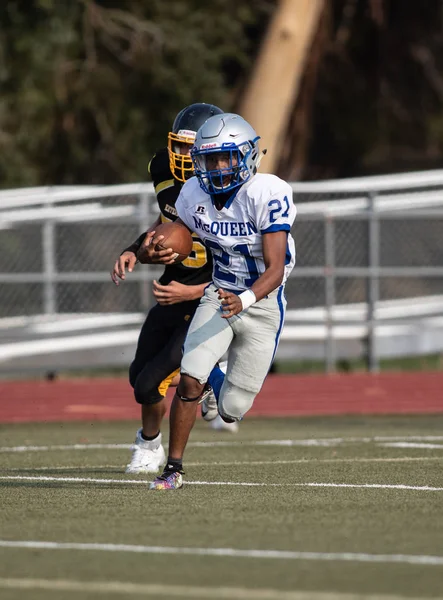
(245, 219)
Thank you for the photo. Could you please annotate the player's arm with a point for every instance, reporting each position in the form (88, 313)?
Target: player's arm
(147, 254)
(135, 246)
(128, 258)
(176, 292)
(274, 256)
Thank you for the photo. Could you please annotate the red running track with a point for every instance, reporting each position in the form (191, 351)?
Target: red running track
(282, 395)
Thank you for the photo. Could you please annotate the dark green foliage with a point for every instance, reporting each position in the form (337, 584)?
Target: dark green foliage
(379, 95)
(90, 89)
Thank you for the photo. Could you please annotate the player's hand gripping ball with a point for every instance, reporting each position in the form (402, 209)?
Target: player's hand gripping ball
(177, 237)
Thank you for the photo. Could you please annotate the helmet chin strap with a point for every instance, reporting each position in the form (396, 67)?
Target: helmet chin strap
(259, 159)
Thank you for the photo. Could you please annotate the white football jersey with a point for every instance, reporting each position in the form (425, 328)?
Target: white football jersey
(234, 234)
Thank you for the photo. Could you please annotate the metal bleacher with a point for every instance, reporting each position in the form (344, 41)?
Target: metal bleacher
(108, 340)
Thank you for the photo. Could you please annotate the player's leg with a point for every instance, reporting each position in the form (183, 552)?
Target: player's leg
(157, 359)
(208, 339)
(251, 354)
(147, 450)
(175, 380)
(209, 406)
(208, 400)
(207, 391)
(148, 453)
(209, 409)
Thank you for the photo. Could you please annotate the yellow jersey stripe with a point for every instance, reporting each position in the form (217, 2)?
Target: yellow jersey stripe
(164, 185)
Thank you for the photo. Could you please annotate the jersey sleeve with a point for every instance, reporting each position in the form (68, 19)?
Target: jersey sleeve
(275, 210)
(158, 167)
(135, 246)
(181, 206)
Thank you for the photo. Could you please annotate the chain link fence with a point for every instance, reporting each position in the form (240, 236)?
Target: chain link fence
(358, 241)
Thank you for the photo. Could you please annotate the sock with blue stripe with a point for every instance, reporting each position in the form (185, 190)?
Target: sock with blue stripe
(216, 379)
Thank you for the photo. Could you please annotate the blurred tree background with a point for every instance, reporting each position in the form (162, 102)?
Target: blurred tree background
(89, 88)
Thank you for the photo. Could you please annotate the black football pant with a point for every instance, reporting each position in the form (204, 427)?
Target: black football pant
(159, 350)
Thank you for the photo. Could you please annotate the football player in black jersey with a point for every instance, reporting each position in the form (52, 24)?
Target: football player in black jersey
(159, 349)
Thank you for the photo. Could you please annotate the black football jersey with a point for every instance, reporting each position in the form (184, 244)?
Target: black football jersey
(197, 268)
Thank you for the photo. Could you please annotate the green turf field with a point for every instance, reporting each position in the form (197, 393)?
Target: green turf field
(375, 530)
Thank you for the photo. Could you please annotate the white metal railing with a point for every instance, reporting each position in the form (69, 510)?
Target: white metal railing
(374, 200)
(362, 185)
(402, 327)
(60, 196)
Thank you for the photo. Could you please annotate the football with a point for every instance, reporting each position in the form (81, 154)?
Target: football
(177, 237)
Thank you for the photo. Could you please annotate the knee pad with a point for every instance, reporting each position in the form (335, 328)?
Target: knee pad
(147, 390)
(144, 395)
(234, 402)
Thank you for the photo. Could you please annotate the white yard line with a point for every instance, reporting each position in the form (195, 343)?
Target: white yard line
(426, 446)
(409, 559)
(240, 463)
(308, 461)
(328, 442)
(54, 448)
(390, 438)
(180, 591)
(382, 486)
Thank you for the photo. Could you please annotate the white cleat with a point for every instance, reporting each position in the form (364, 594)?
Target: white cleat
(219, 425)
(147, 456)
(208, 405)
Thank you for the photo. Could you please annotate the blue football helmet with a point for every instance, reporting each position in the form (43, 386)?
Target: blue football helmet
(231, 138)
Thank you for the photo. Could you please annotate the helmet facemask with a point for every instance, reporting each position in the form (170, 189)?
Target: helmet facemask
(217, 178)
(180, 164)
(183, 131)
